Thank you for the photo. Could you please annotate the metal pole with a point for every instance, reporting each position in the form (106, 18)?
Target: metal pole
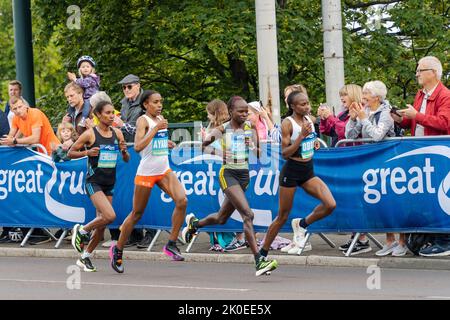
(333, 51)
(24, 48)
(266, 37)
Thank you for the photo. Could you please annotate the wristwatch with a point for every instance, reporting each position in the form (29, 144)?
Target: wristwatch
(14, 141)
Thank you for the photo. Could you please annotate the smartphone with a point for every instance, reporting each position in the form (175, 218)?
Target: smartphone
(394, 110)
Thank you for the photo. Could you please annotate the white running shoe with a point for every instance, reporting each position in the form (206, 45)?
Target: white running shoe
(308, 247)
(400, 251)
(293, 250)
(288, 247)
(299, 232)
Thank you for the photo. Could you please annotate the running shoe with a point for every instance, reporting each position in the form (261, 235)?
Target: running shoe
(86, 265)
(116, 258)
(299, 232)
(173, 252)
(189, 231)
(235, 244)
(265, 266)
(216, 247)
(79, 240)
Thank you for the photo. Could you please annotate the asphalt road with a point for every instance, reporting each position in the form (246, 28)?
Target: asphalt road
(37, 278)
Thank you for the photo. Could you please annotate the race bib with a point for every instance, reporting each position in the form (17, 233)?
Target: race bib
(160, 143)
(108, 156)
(238, 147)
(307, 146)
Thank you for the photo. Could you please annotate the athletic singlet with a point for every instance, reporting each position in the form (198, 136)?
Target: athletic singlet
(102, 168)
(233, 142)
(155, 156)
(306, 150)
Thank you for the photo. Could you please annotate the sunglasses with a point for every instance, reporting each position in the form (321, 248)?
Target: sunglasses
(128, 86)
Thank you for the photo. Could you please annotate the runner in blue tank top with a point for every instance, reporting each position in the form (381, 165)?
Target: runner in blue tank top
(298, 144)
(101, 145)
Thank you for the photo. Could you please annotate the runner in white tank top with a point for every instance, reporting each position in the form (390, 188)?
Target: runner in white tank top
(154, 157)
(298, 144)
(152, 142)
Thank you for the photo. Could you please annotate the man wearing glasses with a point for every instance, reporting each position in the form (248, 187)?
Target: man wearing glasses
(131, 109)
(429, 116)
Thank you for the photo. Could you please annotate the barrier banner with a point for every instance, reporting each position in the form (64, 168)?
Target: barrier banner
(400, 185)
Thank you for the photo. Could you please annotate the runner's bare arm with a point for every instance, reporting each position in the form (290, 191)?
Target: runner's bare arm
(86, 139)
(122, 145)
(140, 140)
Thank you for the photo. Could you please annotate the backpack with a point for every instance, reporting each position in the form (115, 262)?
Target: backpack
(399, 131)
(417, 241)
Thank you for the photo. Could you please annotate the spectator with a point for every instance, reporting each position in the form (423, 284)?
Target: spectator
(30, 126)
(89, 81)
(14, 91)
(130, 112)
(363, 117)
(67, 135)
(77, 107)
(102, 96)
(333, 126)
(258, 116)
(429, 116)
(4, 124)
(131, 109)
(372, 119)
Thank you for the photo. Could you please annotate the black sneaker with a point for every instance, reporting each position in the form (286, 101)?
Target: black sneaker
(190, 230)
(145, 243)
(86, 265)
(116, 259)
(345, 246)
(360, 247)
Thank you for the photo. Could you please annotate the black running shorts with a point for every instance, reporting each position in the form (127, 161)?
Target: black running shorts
(295, 173)
(231, 177)
(92, 188)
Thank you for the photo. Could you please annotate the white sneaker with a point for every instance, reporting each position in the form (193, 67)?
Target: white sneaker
(307, 247)
(293, 250)
(400, 251)
(108, 244)
(288, 247)
(299, 232)
(387, 249)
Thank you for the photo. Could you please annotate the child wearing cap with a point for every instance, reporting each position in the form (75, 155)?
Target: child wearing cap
(89, 81)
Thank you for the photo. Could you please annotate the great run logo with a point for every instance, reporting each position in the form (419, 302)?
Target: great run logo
(25, 176)
(414, 180)
(202, 183)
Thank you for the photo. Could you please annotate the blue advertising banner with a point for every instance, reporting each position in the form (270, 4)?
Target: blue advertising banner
(398, 186)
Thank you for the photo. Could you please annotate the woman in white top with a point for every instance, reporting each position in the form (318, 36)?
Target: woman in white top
(298, 144)
(152, 142)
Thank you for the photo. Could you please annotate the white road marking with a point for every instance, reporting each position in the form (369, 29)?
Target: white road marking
(437, 297)
(125, 285)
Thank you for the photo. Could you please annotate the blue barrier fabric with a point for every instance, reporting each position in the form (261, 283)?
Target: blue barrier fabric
(400, 185)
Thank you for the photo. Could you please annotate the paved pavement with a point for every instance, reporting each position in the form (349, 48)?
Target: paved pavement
(45, 278)
(321, 255)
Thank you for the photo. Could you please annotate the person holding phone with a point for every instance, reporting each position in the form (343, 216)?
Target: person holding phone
(429, 116)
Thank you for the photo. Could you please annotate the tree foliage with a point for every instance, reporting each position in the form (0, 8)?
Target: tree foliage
(195, 51)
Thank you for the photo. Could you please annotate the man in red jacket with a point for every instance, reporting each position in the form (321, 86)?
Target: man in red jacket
(430, 116)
